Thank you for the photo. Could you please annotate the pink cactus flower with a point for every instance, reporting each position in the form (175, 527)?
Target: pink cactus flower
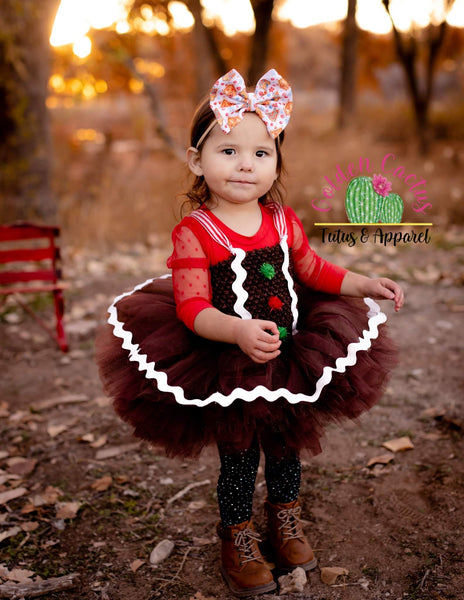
(381, 185)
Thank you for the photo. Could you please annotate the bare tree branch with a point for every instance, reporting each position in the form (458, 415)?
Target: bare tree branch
(152, 92)
(407, 47)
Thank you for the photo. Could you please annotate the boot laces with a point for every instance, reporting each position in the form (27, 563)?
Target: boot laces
(247, 547)
(291, 526)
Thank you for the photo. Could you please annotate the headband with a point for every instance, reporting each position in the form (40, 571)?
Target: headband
(272, 101)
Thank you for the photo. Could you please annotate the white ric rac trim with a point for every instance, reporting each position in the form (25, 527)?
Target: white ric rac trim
(375, 318)
(239, 255)
(237, 286)
(236, 265)
(291, 289)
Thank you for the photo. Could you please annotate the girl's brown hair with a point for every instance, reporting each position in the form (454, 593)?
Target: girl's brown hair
(199, 192)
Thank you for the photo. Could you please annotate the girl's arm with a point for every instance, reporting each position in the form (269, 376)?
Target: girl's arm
(360, 286)
(324, 276)
(259, 339)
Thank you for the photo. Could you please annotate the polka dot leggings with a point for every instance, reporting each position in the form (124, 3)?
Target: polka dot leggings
(236, 483)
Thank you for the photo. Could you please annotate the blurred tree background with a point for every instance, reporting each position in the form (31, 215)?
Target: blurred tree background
(94, 129)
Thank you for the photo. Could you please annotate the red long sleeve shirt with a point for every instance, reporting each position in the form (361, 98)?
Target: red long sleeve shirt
(195, 251)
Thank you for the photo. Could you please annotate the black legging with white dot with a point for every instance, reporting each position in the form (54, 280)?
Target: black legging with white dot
(236, 483)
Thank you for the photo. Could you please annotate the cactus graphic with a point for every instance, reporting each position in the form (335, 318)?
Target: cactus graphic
(362, 202)
(392, 209)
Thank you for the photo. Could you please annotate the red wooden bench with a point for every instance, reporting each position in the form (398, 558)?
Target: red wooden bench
(35, 253)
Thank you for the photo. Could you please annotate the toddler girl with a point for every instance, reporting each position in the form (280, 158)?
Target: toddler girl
(255, 342)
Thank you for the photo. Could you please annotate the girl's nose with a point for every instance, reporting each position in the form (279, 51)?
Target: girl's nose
(246, 164)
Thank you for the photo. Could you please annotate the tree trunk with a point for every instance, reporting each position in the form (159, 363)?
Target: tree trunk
(348, 68)
(203, 58)
(208, 54)
(407, 48)
(25, 29)
(262, 10)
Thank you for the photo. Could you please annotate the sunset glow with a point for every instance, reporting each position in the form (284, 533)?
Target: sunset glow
(75, 18)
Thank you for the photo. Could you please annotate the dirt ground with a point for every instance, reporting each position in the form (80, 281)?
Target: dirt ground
(94, 501)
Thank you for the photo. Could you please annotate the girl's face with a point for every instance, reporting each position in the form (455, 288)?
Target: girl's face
(240, 166)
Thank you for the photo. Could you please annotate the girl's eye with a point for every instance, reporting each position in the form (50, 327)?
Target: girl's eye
(229, 151)
(261, 153)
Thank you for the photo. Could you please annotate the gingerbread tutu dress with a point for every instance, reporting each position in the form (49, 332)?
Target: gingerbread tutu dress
(183, 392)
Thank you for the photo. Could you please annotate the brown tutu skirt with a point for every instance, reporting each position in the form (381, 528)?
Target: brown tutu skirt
(193, 368)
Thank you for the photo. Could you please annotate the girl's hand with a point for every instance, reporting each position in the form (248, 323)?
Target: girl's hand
(258, 339)
(385, 288)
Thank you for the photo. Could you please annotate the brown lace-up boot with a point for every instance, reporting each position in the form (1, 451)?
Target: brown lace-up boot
(286, 536)
(242, 565)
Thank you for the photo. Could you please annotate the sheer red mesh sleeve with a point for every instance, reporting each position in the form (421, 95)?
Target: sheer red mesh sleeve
(190, 275)
(310, 269)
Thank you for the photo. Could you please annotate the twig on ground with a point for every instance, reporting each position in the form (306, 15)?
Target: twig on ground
(186, 490)
(39, 588)
(422, 583)
(177, 573)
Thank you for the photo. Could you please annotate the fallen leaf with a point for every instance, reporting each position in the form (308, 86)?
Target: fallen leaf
(293, 582)
(329, 575)
(17, 465)
(429, 275)
(25, 416)
(88, 437)
(3, 454)
(20, 575)
(196, 505)
(54, 430)
(5, 477)
(29, 526)
(136, 564)
(9, 533)
(116, 451)
(102, 484)
(383, 459)
(199, 541)
(12, 494)
(49, 496)
(98, 443)
(399, 444)
(67, 510)
(434, 412)
(122, 479)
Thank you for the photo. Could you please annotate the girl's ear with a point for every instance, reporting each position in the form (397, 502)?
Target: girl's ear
(194, 161)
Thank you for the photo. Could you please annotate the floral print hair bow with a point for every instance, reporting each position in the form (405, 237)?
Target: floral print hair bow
(272, 101)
